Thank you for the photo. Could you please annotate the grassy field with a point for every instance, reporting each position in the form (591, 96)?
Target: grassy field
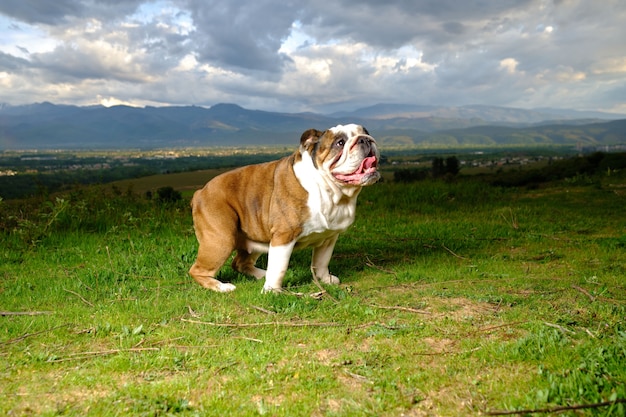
(456, 299)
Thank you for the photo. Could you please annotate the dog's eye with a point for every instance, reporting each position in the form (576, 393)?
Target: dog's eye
(340, 143)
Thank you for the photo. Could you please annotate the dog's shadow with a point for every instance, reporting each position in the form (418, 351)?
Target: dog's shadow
(298, 273)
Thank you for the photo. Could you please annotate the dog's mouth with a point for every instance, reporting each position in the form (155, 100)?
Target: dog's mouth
(365, 174)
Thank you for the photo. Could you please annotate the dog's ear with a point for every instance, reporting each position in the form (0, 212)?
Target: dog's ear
(310, 138)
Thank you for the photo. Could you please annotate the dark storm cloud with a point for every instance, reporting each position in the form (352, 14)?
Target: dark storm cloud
(9, 63)
(34, 11)
(393, 23)
(53, 12)
(243, 35)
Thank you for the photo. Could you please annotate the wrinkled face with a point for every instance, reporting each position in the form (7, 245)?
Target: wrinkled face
(348, 153)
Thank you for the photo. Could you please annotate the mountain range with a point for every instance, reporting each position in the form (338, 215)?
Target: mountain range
(50, 126)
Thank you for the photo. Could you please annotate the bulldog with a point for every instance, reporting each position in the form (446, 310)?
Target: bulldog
(303, 200)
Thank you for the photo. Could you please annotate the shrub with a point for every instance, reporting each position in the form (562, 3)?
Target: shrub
(410, 175)
(168, 195)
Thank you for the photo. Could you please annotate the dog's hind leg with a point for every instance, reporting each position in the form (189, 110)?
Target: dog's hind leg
(205, 277)
(245, 261)
(216, 241)
(210, 259)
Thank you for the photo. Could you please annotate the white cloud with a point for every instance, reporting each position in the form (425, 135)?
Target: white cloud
(112, 101)
(187, 63)
(615, 66)
(311, 69)
(388, 63)
(509, 65)
(561, 75)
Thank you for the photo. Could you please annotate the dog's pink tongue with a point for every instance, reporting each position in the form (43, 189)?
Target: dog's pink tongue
(367, 165)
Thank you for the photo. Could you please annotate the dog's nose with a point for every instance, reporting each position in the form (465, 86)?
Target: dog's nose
(365, 142)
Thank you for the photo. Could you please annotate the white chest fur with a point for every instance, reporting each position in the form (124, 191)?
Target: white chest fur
(332, 210)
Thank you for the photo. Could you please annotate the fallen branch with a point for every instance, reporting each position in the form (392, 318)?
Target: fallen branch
(290, 324)
(374, 323)
(24, 313)
(192, 346)
(409, 309)
(315, 295)
(267, 323)
(556, 409)
(84, 355)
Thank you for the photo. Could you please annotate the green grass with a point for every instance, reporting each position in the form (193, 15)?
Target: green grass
(456, 299)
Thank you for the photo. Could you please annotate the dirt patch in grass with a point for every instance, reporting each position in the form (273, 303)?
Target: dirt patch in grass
(401, 301)
(47, 393)
(263, 401)
(439, 345)
(326, 356)
(458, 309)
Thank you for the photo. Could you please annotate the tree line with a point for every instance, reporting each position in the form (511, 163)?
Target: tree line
(440, 168)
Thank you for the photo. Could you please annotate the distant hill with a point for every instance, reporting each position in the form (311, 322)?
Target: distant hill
(490, 114)
(592, 134)
(50, 126)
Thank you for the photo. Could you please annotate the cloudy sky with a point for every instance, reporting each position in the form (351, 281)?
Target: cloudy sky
(315, 55)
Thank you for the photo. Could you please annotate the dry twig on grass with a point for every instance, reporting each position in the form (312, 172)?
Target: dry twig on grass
(454, 254)
(24, 336)
(400, 308)
(319, 295)
(561, 328)
(584, 291)
(261, 309)
(500, 326)
(79, 296)
(373, 265)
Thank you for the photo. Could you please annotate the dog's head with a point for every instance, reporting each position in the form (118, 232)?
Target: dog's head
(346, 152)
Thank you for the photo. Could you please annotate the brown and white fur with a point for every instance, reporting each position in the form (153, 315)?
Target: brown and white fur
(303, 200)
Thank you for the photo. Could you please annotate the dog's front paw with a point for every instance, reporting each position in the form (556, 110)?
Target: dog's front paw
(269, 289)
(225, 287)
(330, 279)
